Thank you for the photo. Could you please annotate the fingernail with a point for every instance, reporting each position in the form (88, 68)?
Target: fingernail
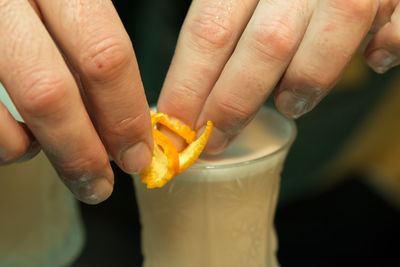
(90, 190)
(136, 158)
(218, 141)
(295, 105)
(381, 60)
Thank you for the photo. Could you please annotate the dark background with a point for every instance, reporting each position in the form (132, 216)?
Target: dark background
(345, 225)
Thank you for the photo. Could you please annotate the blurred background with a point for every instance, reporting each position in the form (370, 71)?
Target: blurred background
(340, 193)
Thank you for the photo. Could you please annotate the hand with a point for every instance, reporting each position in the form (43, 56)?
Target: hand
(232, 54)
(77, 119)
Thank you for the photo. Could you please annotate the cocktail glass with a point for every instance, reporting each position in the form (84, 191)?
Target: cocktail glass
(220, 212)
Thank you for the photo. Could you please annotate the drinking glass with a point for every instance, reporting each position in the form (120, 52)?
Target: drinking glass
(220, 211)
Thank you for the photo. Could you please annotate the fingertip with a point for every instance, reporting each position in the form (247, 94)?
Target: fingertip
(136, 158)
(31, 152)
(93, 191)
(290, 105)
(294, 105)
(381, 60)
(217, 143)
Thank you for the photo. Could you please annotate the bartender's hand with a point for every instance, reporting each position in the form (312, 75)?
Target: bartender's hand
(232, 54)
(76, 118)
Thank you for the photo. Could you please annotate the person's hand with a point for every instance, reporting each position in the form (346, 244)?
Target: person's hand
(232, 54)
(76, 118)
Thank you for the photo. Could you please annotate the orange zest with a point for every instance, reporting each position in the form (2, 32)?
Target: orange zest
(192, 152)
(166, 161)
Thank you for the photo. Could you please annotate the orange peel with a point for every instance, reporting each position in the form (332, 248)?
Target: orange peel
(192, 152)
(175, 126)
(166, 161)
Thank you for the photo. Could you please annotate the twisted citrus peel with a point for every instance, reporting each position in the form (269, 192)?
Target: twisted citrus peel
(166, 161)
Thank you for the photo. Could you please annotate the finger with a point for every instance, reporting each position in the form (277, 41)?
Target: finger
(385, 11)
(383, 52)
(207, 39)
(336, 30)
(16, 142)
(93, 38)
(259, 60)
(43, 90)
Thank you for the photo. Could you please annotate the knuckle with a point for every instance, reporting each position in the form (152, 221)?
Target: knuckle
(363, 8)
(313, 79)
(73, 168)
(185, 90)
(356, 8)
(183, 96)
(212, 29)
(275, 40)
(237, 112)
(106, 58)
(131, 126)
(45, 91)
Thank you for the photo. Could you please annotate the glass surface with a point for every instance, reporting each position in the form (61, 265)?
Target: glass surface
(40, 224)
(220, 211)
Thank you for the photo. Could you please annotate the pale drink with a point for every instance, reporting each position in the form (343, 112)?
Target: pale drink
(220, 211)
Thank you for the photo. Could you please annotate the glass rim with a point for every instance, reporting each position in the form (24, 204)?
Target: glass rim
(286, 144)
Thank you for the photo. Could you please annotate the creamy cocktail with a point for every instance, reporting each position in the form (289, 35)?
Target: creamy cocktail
(220, 211)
